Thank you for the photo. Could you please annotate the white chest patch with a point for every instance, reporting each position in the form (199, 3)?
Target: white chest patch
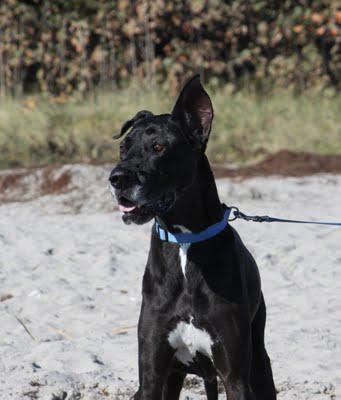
(187, 340)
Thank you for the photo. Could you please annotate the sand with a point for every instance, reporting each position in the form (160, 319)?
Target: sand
(70, 288)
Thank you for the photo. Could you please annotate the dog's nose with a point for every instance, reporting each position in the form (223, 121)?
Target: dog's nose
(118, 179)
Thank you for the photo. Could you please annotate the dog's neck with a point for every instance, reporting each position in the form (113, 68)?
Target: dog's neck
(199, 207)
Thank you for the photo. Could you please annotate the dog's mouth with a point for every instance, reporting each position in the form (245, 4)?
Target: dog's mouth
(133, 212)
(126, 206)
(141, 211)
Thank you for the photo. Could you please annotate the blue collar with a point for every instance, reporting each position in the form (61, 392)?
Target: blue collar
(207, 233)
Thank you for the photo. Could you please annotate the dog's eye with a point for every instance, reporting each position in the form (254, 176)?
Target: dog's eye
(158, 147)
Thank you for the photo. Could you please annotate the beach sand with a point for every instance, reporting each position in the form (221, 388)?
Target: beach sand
(70, 287)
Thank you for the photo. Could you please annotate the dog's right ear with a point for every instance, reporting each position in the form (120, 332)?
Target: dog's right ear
(131, 122)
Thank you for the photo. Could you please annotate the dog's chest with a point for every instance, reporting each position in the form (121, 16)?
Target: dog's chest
(187, 340)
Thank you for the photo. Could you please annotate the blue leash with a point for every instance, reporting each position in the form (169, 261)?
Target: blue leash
(266, 218)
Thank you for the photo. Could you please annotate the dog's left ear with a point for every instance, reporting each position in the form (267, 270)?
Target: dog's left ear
(194, 111)
(131, 122)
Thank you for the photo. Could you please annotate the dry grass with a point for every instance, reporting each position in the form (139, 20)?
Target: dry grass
(37, 130)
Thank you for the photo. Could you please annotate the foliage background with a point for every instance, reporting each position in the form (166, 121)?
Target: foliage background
(71, 72)
(58, 46)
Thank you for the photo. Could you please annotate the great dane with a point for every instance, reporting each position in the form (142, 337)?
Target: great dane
(202, 309)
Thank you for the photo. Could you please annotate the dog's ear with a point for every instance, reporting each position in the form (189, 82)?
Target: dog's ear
(131, 122)
(194, 110)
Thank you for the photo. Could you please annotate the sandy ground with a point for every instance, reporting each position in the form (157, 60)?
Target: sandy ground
(70, 278)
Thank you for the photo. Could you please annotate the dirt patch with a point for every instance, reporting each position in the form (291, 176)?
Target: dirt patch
(88, 180)
(52, 184)
(10, 180)
(27, 184)
(285, 163)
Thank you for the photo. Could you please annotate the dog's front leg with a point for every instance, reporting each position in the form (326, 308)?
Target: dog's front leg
(155, 356)
(233, 367)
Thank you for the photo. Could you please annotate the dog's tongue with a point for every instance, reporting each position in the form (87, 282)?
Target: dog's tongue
(126, 209)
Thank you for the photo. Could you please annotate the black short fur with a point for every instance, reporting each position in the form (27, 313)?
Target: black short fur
(165, 174)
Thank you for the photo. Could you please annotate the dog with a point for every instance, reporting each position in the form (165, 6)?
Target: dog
(202, 309)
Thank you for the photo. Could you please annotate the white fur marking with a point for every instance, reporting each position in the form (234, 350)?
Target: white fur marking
(183, 256)
(187, 340)
(183, 249)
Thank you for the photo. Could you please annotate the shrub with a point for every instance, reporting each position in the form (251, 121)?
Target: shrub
(59, 46)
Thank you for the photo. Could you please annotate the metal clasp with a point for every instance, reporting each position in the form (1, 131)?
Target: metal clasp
(234, 212)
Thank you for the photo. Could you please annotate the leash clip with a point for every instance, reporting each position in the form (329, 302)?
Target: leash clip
(235, 211)
(255, 218)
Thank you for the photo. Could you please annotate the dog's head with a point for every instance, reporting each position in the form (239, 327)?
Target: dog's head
(160, 154)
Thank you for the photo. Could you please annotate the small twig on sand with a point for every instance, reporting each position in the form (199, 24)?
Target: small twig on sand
(62, 333)
(123, 329)
(25, 327)
(5, 297)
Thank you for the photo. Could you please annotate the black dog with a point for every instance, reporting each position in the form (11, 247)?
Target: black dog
(202, 311)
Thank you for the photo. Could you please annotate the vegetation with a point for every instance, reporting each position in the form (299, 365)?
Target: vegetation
(66, 68)
(38, 130)
(58, 46)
